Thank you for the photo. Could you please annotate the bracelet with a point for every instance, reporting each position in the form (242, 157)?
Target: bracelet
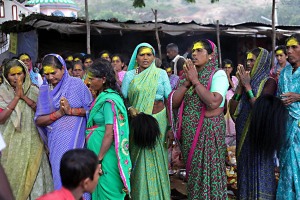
(53, 116)
(79, 111)
(250, 94)
(237, 97)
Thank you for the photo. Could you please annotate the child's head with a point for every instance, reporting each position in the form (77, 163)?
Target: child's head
(79, 168)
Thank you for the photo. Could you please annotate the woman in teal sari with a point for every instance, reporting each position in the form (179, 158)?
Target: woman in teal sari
(108, 133)
(146, 87)
(289, 155)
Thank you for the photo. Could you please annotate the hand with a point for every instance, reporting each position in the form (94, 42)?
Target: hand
(289, 98)
(19, 88)
(244, 77)
(133, 112)
(64, 106)
(191, 71)
(100, 170)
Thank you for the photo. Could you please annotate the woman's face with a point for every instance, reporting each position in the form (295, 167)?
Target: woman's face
(145, 57)
(200, 57)
(27, 61)
(96, 84)
(15, 73)
(251, 58)
(53, 74)
(88, 62)
(281, 57)
(78, 71)
(105, 56)
(117, 63)
(228, 69)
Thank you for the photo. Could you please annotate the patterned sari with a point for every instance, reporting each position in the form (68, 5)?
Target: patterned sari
(206, 174)
(68, 131)
(24, 159)
(149, 177)
(256, 176)
(289, 155)
(116, 163)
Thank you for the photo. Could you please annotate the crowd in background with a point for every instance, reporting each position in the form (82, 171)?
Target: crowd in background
(144, 117)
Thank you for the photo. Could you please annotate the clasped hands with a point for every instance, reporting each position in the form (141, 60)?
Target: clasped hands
(191, 73)
(243, 77)
(64, 106)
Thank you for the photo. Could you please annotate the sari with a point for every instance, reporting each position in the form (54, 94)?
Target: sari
(205, 167)
(256, 176)
(68, 131)
(289, 155)
(149, 177)
(24, 159)
(116, 164)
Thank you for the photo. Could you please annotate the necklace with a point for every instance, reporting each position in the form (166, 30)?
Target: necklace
(137, 70)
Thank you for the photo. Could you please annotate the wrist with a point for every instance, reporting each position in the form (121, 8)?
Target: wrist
(187, 84)
(248, 87)
(196, 83)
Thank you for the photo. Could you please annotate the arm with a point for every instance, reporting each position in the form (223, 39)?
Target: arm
(179, 93)
(4, 115)
(107, 141)
(46, 120)
(29, 102)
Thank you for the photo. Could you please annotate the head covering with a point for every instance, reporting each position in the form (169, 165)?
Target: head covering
(133, 63)
(7, 95)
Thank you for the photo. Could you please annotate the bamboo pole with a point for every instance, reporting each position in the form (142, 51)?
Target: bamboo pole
(157, 35)
(273, 33)
(219, 44)
(88, 28)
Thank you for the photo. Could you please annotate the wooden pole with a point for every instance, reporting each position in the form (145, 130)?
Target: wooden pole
(219, 44)
(88, 28)
(156, 34)
(273, 33)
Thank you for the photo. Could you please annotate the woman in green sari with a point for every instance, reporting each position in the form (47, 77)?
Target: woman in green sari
(146, 87)
(107, 133)
(24, 159)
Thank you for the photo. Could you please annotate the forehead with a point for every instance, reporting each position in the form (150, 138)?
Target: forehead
(77, 66)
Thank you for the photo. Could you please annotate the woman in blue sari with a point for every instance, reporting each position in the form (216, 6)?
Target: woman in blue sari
(289, 155)
(61, 114)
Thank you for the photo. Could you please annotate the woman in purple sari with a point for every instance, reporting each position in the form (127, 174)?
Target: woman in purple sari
(62, 109)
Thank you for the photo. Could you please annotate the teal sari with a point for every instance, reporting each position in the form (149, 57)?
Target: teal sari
(149, 177)
(289, 155)
(116, 164)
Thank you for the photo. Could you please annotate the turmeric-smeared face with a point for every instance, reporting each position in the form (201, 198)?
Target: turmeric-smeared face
(293, 51)
(78, 71)
(53, 74)
(199, 54)
(15, 76)
(251, 58)
(117, 63)
(145, 57)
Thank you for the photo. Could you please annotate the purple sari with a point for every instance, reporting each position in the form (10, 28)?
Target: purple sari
(68, 132)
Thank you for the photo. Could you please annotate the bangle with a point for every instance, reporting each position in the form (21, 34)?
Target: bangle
(250, 94)
(53, 116)
(237, 97)
(8, 108)
(78, 111)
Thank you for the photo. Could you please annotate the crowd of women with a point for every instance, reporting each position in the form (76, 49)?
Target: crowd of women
(125, 113)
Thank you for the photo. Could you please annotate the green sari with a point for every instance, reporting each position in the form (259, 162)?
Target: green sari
(149, 177)
(24, 159)
(116, 164)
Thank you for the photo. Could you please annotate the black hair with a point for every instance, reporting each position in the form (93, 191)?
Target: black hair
(77, 165)
(145, 130)
(295, 35)
(66, 54)
(52, 61)
(26, 54)
(69, 64)
(78, 55)
(255, 51)
(281, 47)
(206, 45)
(268, 124)
(102, 52)
(11, 63)
(86, 56)
(102, 68)
(120, 56)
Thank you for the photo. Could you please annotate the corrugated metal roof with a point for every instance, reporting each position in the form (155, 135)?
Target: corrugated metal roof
(34, 2)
